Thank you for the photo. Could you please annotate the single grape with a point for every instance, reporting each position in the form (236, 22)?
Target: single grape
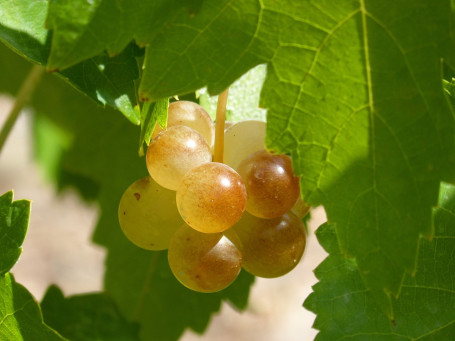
(148, 215)
(191, 115)
(175, 151)
(204, 262)
(270, 247)
(272, 189)
(241, 139)
(211, 197)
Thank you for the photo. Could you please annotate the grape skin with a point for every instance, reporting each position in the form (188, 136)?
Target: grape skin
(211, 197)
(270, 247)
(241, 139)
(204, 262)
(148, 215)
(272, 189)
(175, 151)
(191, 115)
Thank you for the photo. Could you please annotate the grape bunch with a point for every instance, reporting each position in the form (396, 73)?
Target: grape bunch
(215, 218)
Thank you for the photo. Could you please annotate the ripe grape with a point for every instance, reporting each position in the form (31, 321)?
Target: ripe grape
(211, 197)
(191, 115)
(242, 139)
(270, 247)
(175, 151)
(272, 189)
(204, 262)
(148, 215)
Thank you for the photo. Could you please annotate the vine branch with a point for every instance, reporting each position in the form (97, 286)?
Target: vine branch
(27, 88)
(219, 126)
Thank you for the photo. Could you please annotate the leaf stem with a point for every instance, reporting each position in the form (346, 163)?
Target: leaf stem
(27, 88)
(219, 126)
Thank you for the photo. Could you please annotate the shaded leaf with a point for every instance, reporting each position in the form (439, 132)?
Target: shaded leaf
(20, 314)
(83, 29)
(424, 310)
(50, 144)
(109, 81)
(106, 80)
(14, 217)
(86, 317)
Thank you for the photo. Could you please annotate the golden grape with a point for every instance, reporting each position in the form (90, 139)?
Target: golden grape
(175, 151)
(204, 262)
(270, 247)
(148, 214)
(191, 115)
(211, 197)
(272, 189)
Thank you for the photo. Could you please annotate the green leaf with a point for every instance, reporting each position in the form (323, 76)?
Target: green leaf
(424, 310)
(90, 317)
(213, 48)
(449, 87)
(106, 80)
(103, 150)
(151, 114)
(353, 93)
(83, 29)
(22, 28)
(20, 315)
(50, 144)
(14, 217)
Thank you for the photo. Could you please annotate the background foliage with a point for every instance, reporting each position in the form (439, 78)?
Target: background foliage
(353, 92)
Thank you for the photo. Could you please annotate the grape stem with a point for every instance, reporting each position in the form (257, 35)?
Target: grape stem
(27, 88)
(219, 126)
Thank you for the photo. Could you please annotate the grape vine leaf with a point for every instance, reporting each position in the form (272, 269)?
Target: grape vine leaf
(89, 317)
(14, 217)
(425, 308)
(82, 29)
(106, 80)
(353, 92)
(103, 149)
(151, 114)
(20, 314)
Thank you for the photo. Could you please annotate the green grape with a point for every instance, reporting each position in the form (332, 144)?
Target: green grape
(270, 247)
(272, 189)
(204, 262)
(175, 151)
(211, 197)
(148, 215)
(191, 115)
(241, 139)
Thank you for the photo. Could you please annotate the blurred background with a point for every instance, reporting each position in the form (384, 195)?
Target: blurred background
(58, 250)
